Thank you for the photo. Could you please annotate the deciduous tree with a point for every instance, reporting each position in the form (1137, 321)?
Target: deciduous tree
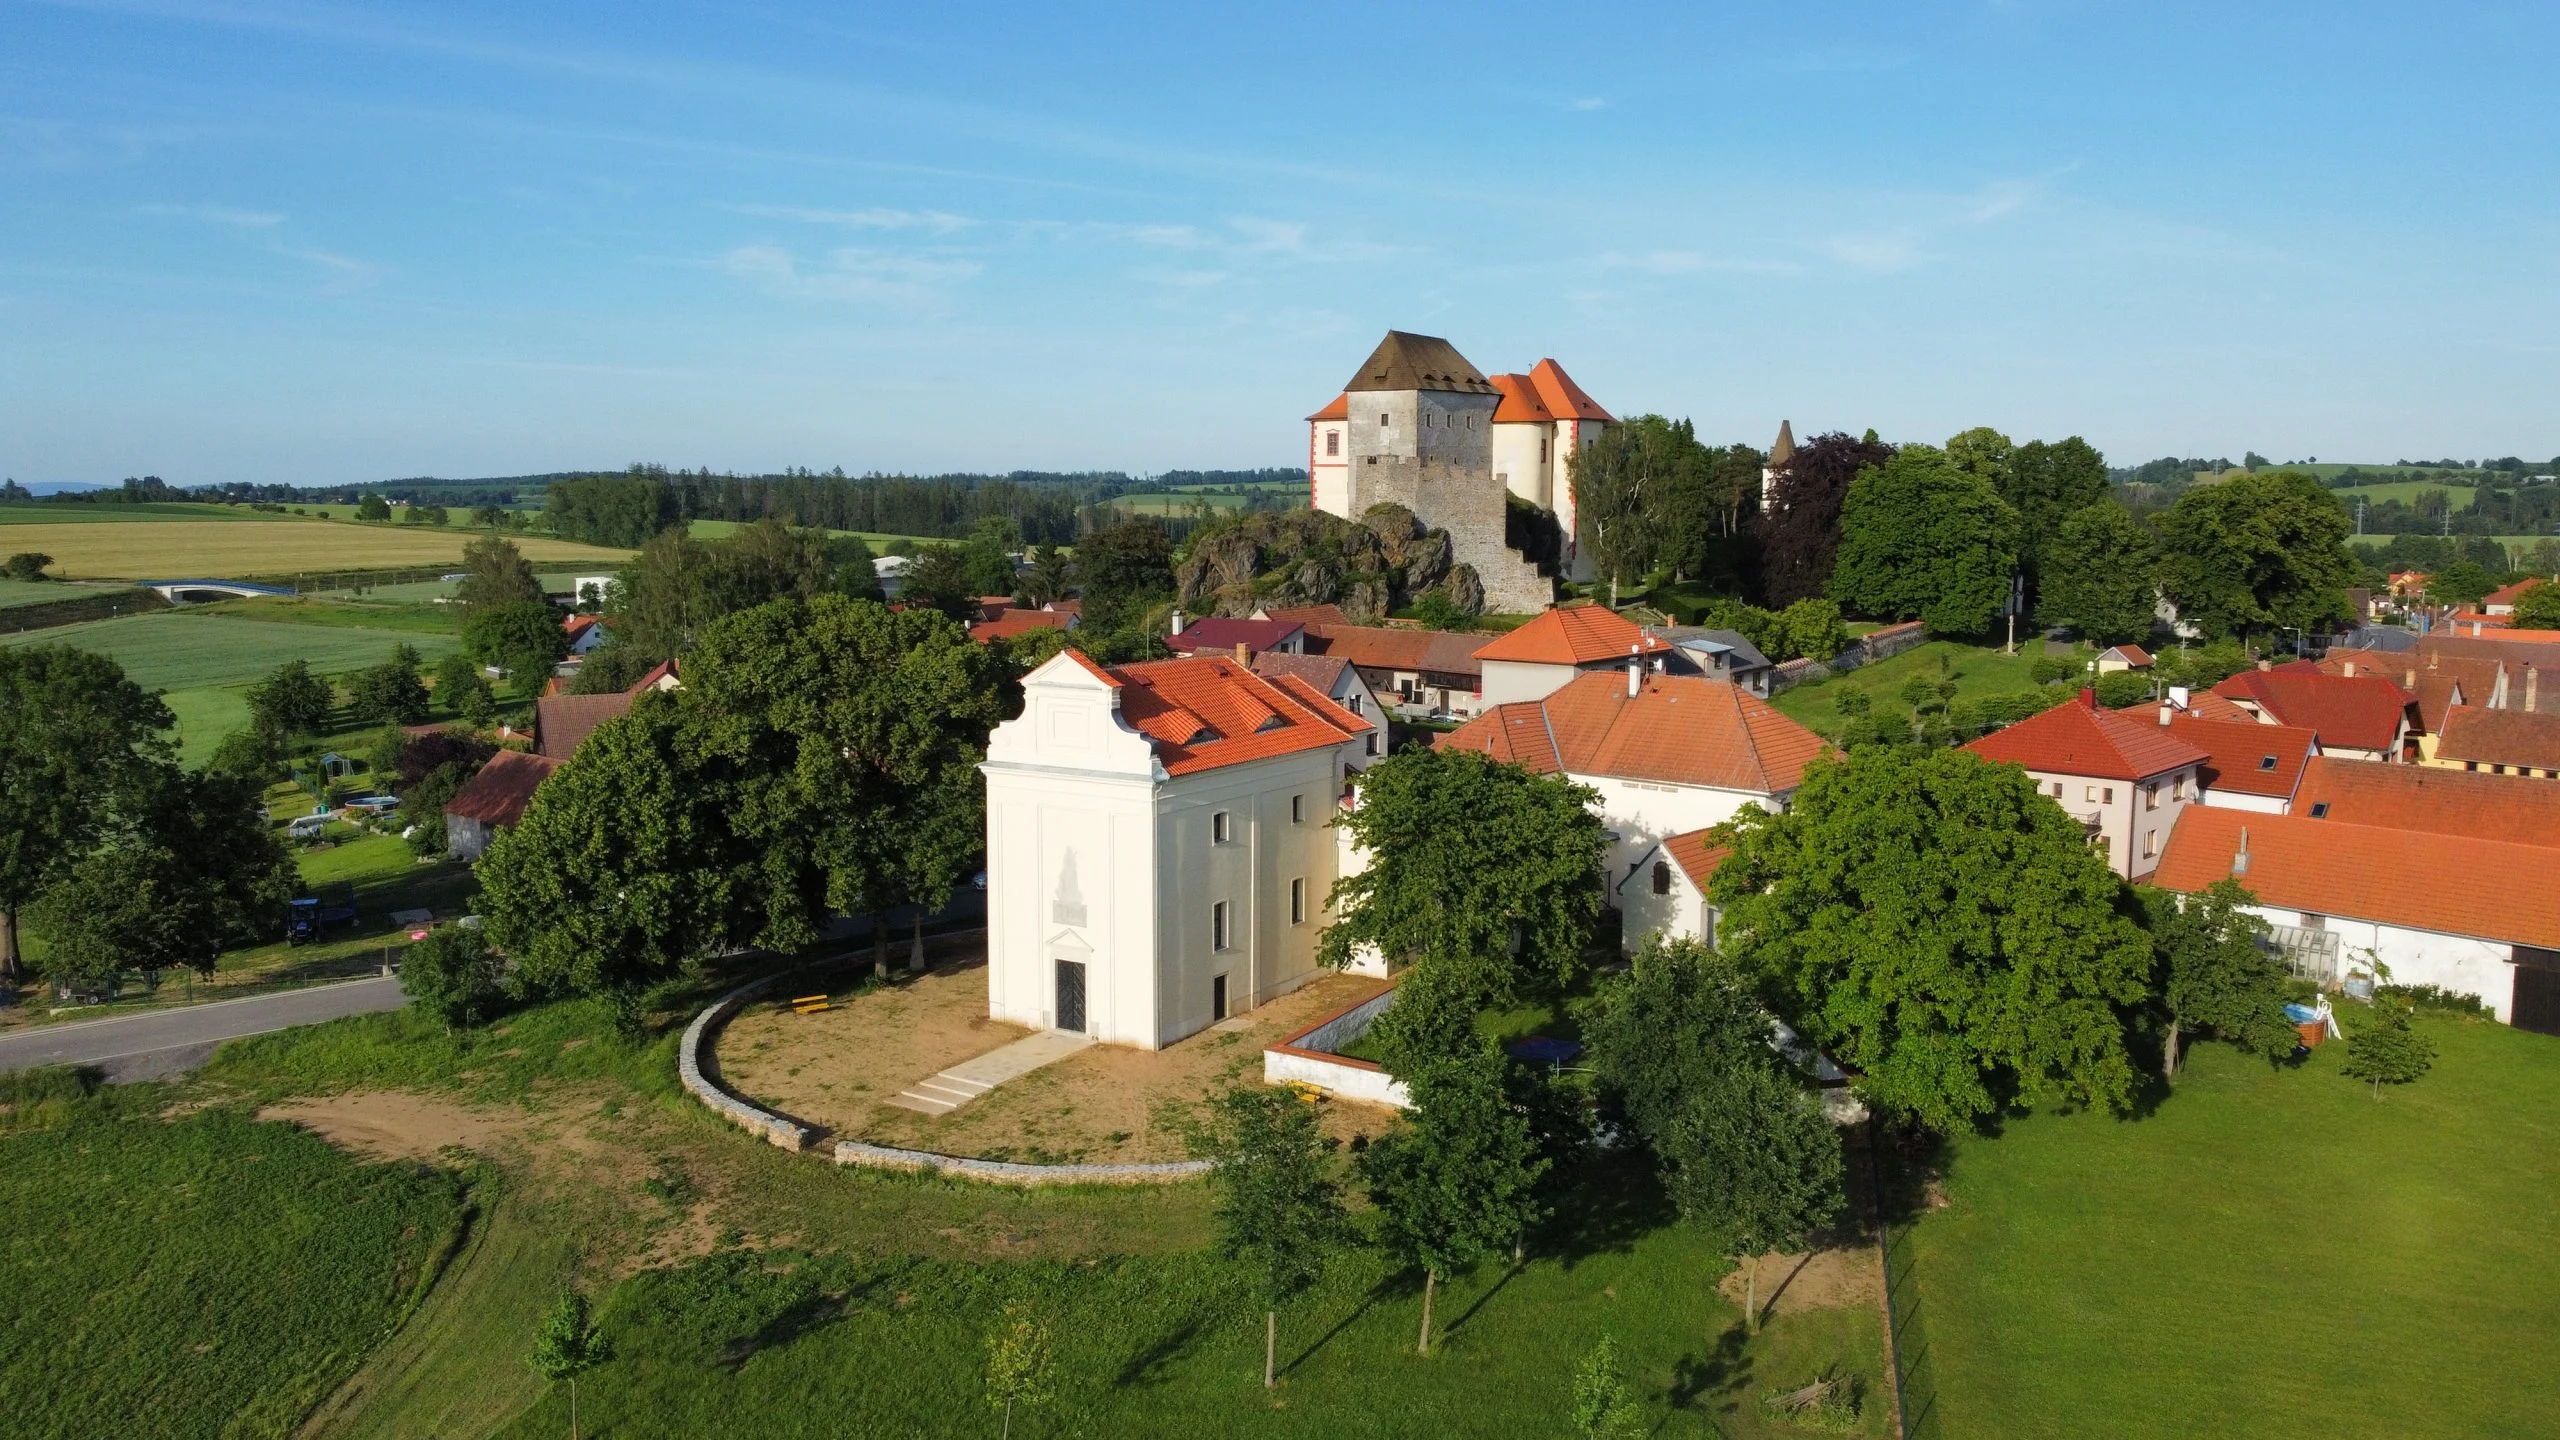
(1799, 521)
(2538, 608)
(1279, 1211)
(2256, 551)
(1477, 868)
(390, 693)
(2099, 574)
(291, 701)
(464, 691)
(455, 975)
(2214, 976)
(187, 869)
(521, 637)
(1921, 538)
(2386, 1051)
(568, 1346)
(494, 573)
(75, 734)
(1455, 1181)
(1938, 925)
(1019, 1361)
(1604, 1408)
(939, 579)
(1121, 570)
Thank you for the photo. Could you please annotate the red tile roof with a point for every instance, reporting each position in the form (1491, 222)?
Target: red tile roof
(2077, 738)
(1696, 858)
(663, 670)
(1205, 712)
(1562, 397)
(1215, 632)
(1310, 615)
(1680, 729)
(1385, 647)
(576, 625)
(2500, 737)
(2509, 594)
(2244, 756)
(1573, 635)
(1520, 403)
(1016, 622)
(1321, 671)
(504, 786)
(1339, 409)
(2368, 872)
(561, 723)
(2362, 713)
(2433, 799)
(2133, 655)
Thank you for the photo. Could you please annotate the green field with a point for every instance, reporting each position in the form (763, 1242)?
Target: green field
(125, 514)
(2461, 494)
(1977, 670)
(723, 529)
(208, 1275)
(2272, 1253)
(37, 592)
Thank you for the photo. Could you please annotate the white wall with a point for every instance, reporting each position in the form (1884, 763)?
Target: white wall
(1644, 812)
(1507, 681)
(1679, 915)
(1330, 475)
(2125, 820)
(1516, 460)
(2419, 957)
(1268, 954)
(2236, 800)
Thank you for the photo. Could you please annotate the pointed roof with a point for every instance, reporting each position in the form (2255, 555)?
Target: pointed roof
(1521, 404)
(2077, 738)
(1205, 712)
(2359, 713)
(504, 786)
(2243, 756)
(1340, 409)
(2461, 803)
(1564, 397)
(1782, 449)
(1573, 635)
(1405, 361)
(1676, 729)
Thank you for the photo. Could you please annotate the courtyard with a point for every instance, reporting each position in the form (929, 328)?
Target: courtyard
(842, 1068)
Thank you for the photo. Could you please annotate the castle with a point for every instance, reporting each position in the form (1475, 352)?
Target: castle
(1421, 427)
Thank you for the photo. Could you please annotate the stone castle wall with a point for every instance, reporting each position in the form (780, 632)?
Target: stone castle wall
(1434, 456)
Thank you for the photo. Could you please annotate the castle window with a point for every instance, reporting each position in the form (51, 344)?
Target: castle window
(1384, 421)
(1542, 451)
(1333, 442)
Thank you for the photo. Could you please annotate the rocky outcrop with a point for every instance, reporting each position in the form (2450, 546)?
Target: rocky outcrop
(1278, 559)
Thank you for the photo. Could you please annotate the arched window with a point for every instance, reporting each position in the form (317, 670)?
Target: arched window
(1661, 877)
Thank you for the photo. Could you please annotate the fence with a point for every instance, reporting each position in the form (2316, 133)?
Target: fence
(1906, 1336)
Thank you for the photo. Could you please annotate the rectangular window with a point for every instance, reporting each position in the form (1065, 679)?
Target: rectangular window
(1218, 926)
(2151, 843)
(2108, 796)
(1219, 830)
(2057, 789)
(2088, 792)
(1297, 809)
(1217, 997)
(1373, 742)
(1333, 442)
(2150, 797)
(1297, 902)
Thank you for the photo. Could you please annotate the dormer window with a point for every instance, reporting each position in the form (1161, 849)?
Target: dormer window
(2266, 762)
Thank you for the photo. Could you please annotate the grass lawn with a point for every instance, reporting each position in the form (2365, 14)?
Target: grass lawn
(1977, 670)
(45, 514)
(2271, 1253)
(2461, 493)
(370, 613)
(202, 1276)
(37, 592)
(184, 546)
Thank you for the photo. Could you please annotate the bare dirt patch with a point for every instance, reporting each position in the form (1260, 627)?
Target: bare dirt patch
(397, 1125)
(837, 1069)
(1823, 1280)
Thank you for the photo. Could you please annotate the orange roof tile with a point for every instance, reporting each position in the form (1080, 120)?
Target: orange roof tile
(2077, 738)
(2431, 798)
(561, 723)
(1385, 647)
(2362, 713)
(1573, 635)
(1696, 858)
(2509, 594)
(1205, 712)
(1340, 409)
(1102, 673)
(504, 786)
(2367, 872)
(1564, 397)
(1520, 404)
(1680, 729)
(2476, 735)
(1016, 622)
(2243, 755)
(2133, 655)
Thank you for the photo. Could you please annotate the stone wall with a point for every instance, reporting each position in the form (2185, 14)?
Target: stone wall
(1006, 1172)
(703, 1081)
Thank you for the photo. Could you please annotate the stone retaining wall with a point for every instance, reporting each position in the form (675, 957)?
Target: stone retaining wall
(789, 1134)
(1006, 1172)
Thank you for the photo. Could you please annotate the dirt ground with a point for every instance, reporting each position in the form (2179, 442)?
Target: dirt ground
(1823, 1280)
(837, 1069)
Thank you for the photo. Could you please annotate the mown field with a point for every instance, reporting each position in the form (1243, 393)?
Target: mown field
(1977, 671)
(2460, 493)
(37, 592)
(173, 547)
(2271, 1253)
(877, 540)
(208, 1275)
(123, 514)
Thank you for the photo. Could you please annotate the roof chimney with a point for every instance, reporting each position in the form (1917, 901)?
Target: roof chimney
(1244, 653)
(2265, 664)
(1177, 622)
(2088, 697)
(2412, 682)
(2351, 670)
(1635, 669)
(2166, 710)
(2178, 696)
(2240, 857)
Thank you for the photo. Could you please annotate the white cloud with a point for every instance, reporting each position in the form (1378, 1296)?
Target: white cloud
(1585, 104)
(937, 222)
(849, 274)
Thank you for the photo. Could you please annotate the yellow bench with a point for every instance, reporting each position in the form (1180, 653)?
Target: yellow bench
(808, 1004)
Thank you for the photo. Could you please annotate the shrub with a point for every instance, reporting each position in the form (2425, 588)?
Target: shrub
(1828, 1405)
(455, 976)
(26, 565)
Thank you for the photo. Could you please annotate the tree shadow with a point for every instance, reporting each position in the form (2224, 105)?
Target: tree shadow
(1724, 1370)
(1617, 1200)
(1152, 1365)
(1367, 1302)
(1454, 1326)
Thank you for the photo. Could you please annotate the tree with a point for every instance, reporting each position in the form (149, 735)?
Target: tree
(939, 578)
(1922, 538)
(2046, 485)
(2463, 582)
(1936, 924)
(1479, 869)
(521, 637)
(568, 1346)
(1799, 521)
(75, 734)
(623, 870)
(1456, 1180)
(248, 753)
(373, 507)
(1683, 1047)
(1278, 1211)
(2256, 551)
(1643, 494)
(26, 565)
(657, 599)
(2386, 1051)
(1434, 610)
(2214, 977)
(390, 693)
(494, 573)
(188, 868)
(1045, 579)
(2538, 608)
(455, 976)
(988, 553)
(488, 517)
(2097, 574)
(1809, 629)
(464, 690)
(1121, 570)
(291, 701)
(1018, 1361)
(1603, 1407)
(854, 575)
(854, 733)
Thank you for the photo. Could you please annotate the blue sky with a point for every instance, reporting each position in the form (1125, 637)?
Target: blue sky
(243, 240)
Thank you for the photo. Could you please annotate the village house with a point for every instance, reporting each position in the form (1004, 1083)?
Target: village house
(2448, 802)
(2248, 765)
(2357, 717)
(1723, 654)
(1019, 620)
(1665, 892)
(2125, 780)
(1338, 680)
(1569, 641)
(2116, 659)
(1218, 633)
(1159, 852)
(2523, 743)
(2502, 601)
(492, 801)
(1667, 754)
(1422, 674)
(2343, 898)
(585, 633)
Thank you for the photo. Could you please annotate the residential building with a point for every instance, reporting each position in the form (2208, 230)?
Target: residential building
(1338, 680)
(2248, 765)
(2357, 717)
(2457, 803)
(1421, 674)
(1546, 654)
(492, 801)
(2502, 601)
(1724, 655)
(1158, 852)
(2523, 743)
(1017, 620)
(1667, 754)
(1417, 426)
(2343, 898)
(1665, 892)
(2126, 781)
(2116, 658)
(1217, 633)
(561, 723)
(585, 632)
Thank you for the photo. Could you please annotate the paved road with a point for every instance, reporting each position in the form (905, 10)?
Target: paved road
(158, 1043)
